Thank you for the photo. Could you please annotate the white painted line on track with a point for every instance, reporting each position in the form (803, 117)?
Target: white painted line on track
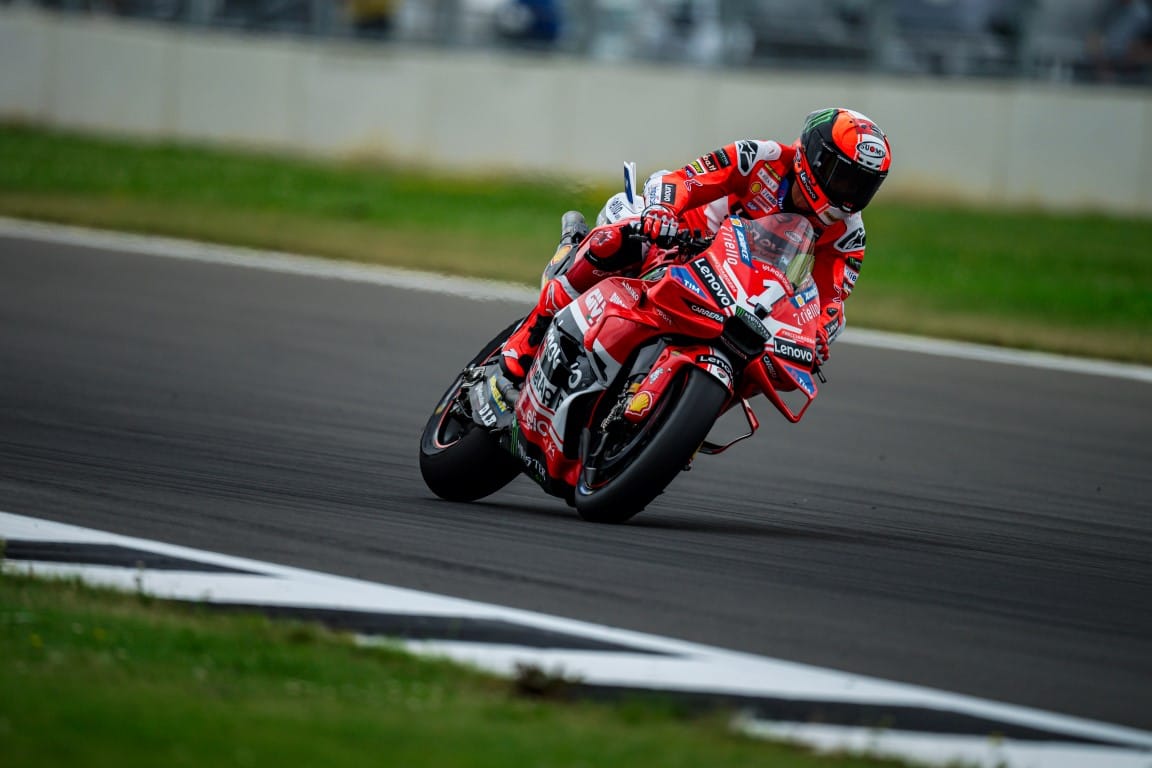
(490, 290)
(645, 662)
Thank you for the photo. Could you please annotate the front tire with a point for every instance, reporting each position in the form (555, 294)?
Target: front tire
(459, 460)
(623, 473)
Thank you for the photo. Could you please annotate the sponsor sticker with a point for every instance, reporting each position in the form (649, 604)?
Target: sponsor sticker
(851, 241)
(769, 178)
(794, 352)
(717, 362)
(496, 396)
(709, 163)
(746, 156)
(803, 379)
(753, 322)
(721, 158)
(684, 277)
(745, 255)
(870, 153)
(807, 184)
(668, 193)
(713, 282)
(640, 403)
(805, 296)
(705, 312)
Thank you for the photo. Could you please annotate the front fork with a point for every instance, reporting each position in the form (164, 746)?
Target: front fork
(644, 393)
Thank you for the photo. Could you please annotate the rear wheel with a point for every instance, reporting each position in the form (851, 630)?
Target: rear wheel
(625, 466)
(459, 460)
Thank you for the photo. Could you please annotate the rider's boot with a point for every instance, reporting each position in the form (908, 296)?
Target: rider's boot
(520, 349)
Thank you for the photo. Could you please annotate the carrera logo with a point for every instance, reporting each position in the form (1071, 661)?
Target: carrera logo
(715, 284)
(716, 316)
(794, 352)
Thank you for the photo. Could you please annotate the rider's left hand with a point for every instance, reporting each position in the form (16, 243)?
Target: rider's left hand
(821, 345)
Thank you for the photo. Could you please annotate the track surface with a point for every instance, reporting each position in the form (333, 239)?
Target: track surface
(975, 527)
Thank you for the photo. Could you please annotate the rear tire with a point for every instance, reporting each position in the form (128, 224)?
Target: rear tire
(459, 460)
(653, 454)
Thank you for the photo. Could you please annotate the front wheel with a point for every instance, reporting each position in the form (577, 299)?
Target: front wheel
(626, 466)
(459, 460)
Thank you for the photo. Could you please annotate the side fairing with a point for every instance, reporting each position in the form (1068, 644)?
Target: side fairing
(576, 359)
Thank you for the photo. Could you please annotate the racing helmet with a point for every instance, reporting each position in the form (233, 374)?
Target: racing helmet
(842, 158)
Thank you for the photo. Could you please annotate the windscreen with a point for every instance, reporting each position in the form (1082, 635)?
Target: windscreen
(784, 240)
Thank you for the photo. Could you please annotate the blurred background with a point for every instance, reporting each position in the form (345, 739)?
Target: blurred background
(1052, 40)
(1028, 104)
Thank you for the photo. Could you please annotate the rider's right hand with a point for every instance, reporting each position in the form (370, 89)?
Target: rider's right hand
(659, 224)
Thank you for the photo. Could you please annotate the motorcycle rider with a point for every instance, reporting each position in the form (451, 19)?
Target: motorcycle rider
(829, 174)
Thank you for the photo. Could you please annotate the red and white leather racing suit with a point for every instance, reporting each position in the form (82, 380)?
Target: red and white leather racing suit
(749, 178)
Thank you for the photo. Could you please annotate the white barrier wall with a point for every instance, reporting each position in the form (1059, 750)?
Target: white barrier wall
(1032, 144)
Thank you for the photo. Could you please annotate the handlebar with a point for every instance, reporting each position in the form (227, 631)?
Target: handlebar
(687, 243)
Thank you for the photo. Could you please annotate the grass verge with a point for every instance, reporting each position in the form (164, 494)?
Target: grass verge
(98, 678)
(1075, 284)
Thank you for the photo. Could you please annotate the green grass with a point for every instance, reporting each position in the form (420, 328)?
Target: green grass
(1077, 284)
(97, 678)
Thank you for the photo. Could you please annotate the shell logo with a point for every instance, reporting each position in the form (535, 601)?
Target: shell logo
(639, 404)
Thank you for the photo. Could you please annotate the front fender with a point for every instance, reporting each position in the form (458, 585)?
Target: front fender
(671, 362)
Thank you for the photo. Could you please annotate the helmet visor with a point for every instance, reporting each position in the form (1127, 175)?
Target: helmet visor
(847, 185)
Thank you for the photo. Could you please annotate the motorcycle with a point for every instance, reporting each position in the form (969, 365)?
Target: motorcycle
(633, 375)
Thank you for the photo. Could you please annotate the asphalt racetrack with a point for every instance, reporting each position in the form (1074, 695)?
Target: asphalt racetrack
(976, 527)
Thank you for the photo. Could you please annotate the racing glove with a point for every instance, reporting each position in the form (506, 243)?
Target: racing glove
(821, 344)
(659, 224)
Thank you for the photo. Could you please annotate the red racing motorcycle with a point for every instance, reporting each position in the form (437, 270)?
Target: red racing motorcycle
(633, 375)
